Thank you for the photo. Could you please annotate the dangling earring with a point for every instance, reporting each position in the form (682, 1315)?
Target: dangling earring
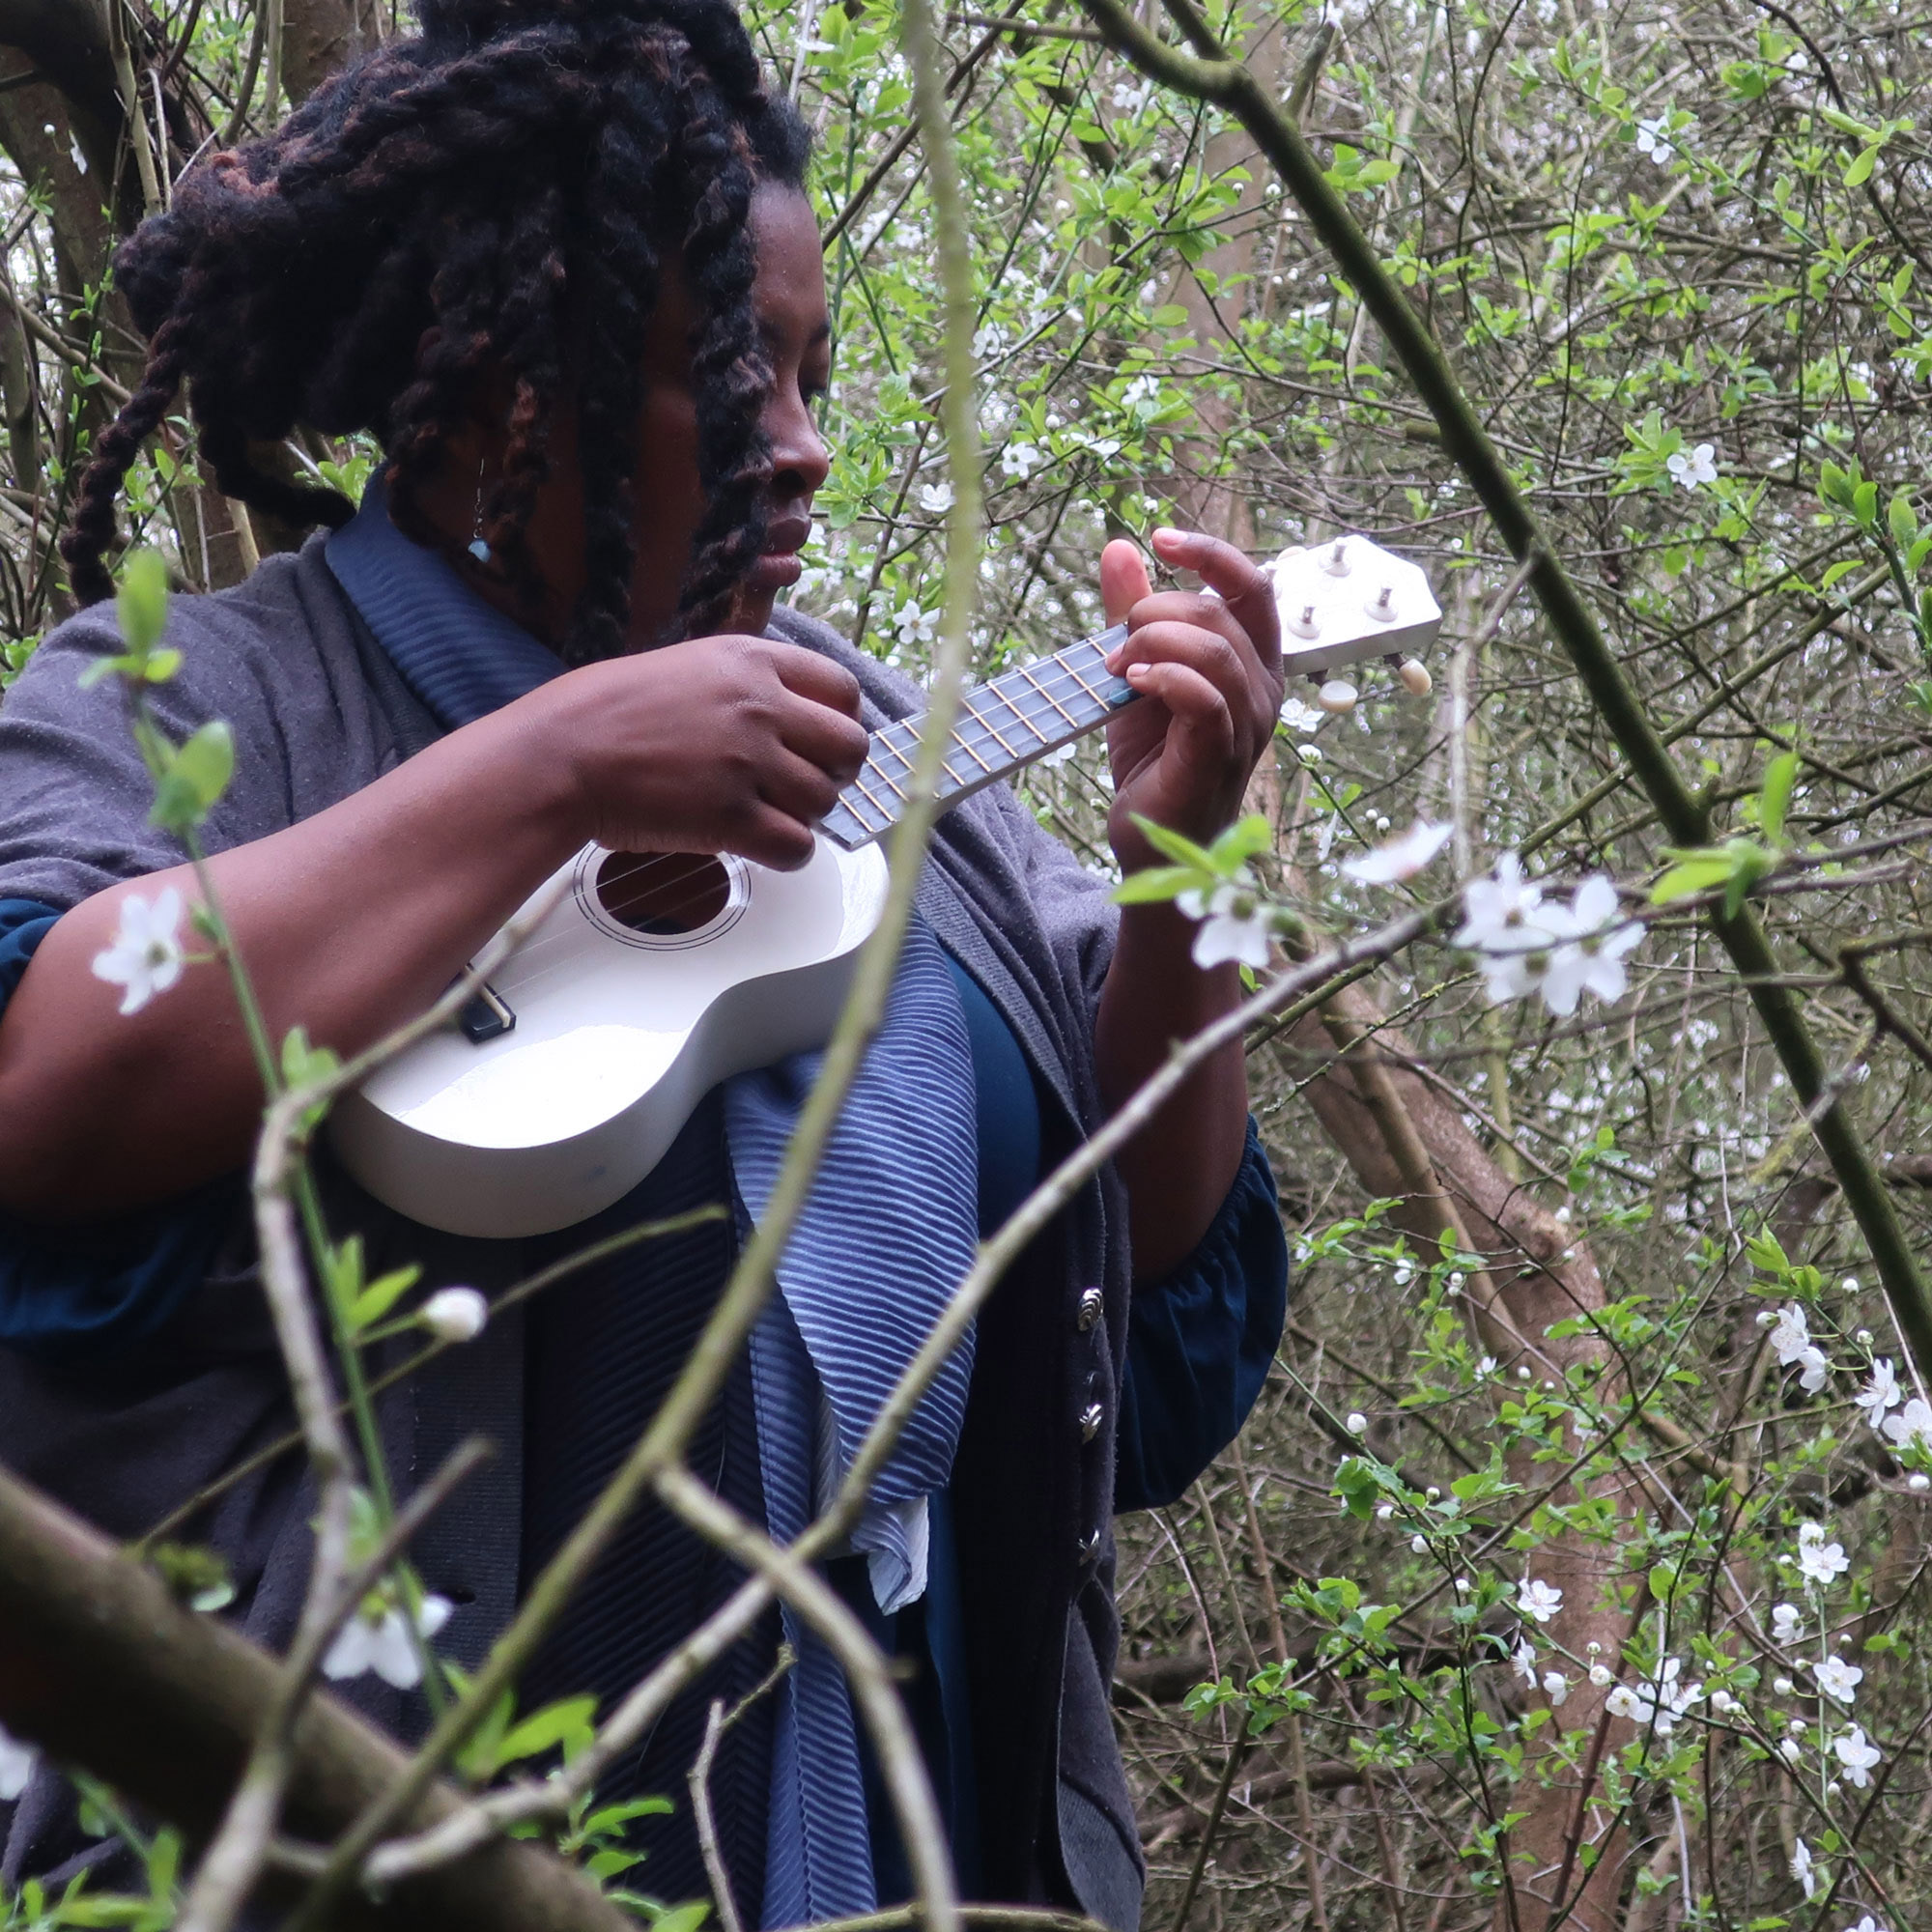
(479, 544)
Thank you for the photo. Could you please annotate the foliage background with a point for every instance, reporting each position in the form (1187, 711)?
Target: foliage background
(1639, 230)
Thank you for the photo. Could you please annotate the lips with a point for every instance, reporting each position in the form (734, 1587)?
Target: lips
(780, 565)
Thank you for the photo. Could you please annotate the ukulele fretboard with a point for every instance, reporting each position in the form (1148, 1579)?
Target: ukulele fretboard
(1004, 724)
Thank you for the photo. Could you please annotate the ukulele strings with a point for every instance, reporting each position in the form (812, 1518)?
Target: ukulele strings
(1068, 683)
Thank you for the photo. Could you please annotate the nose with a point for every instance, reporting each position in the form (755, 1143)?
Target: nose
(799, 462)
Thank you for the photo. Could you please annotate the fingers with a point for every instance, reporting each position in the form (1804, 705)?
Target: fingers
(1201, 732)
(1242, 585)
(774, 837)
(1124, 580)
(1221, 658)
(812, 675)
(830, 741)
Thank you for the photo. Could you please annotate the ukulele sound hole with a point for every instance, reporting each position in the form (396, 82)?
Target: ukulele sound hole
(662, 894)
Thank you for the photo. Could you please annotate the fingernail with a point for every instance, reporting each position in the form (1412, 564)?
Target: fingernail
(1169, 532)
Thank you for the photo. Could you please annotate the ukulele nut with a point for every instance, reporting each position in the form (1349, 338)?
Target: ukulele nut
(1338, 696)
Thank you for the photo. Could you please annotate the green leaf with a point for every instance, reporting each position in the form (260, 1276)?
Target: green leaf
(1168, 315)
(1751, 862)
(1176, 846)
(1156, 884)
(1241, 840)
(303, 1065)
(684, 1917)
(381, 1296)
(195, 776)
(1695, 873)
(142, 602)
(1780, 775)
(1864, 505)
(1766, 1254)
(612, 1817)
(561, 1722)
(1902, 517)
(1859, 170)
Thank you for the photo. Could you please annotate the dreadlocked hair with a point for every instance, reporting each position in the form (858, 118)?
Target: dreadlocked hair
(494, 196)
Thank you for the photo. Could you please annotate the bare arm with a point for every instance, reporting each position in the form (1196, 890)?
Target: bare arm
(359, 917)
(1211, 671)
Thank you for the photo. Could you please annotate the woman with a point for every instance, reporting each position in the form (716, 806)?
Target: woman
(559, 261)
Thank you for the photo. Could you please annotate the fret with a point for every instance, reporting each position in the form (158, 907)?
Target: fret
(1046, 704)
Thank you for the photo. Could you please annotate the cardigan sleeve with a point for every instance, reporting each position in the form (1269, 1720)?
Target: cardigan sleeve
(1200, 1343)
(102, 1283)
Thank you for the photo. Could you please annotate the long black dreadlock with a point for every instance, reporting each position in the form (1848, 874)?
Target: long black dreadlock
(495, 193)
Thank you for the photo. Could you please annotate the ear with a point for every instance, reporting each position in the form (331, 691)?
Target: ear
(1124, 578)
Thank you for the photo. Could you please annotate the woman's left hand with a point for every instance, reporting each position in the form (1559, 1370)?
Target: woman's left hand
(1208, 669)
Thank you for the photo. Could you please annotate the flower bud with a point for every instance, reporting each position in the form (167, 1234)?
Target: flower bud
(454, 1314)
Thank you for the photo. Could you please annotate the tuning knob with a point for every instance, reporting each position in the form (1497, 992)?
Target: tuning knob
(1414, 676)
(1338, 696)
(1305, 626)
(1381, 606)
(1335, 559)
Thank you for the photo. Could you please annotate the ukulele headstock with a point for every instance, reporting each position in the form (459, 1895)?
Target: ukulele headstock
(1348, 598)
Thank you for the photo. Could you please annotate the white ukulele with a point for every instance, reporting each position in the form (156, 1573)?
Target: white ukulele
(657, 975)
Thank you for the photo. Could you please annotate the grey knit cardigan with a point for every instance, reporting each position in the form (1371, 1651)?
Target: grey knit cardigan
(318, 712)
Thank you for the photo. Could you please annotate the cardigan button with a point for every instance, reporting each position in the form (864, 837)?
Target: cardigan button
(1091, 1418)
(1092, 1302)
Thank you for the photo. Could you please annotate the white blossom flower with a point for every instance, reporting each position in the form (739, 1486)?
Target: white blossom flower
(1789, 1751)
(1650, 140)
(1786, 1624)
(1141, 393)
(1791, 1341)
(1598, 1676)
(1591, 957)
(1419, 1543)
(988, 340)
(1556, 1687)
(914, 625)
(1401, 857)
(1912, 1426)
(935, 498)
(1310, 754)
(1919, 1479)
(1021, 460)
(1819, 1561)
(377, 1637)
(1881, 1394)
(1506, 921)
(16, 1766)
(1129, 99)
(1522, 1661)
(1781, 1687)
(1486, 1368)
(76, 155)
(1723, 1703)
(1858, 1756)
(1659, 1702)
(1837, 1678)
(1692, 469)
(1866, 1924)
(1357, 1422)
(145, 957)
(1535, 1598)
(1300, 717)
(1234, 925)
(454, 1314)
(1804, 1868)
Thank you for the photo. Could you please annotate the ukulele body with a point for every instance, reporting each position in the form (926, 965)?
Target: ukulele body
(621, 1025)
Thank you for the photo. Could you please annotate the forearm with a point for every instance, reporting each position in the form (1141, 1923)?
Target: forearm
(348, 923)
(1179, 1168)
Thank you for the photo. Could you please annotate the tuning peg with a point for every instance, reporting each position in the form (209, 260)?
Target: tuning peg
(1381, 607)
(1413, 673)
(1335, 559)
(1305, 626)
(1338, 696)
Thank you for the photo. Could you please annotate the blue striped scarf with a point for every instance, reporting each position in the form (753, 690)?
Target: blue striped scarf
(889, 1229)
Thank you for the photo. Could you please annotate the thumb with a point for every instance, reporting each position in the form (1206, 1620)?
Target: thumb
(1124, 578)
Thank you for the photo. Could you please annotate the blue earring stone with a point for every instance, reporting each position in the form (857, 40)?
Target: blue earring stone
(479, 550)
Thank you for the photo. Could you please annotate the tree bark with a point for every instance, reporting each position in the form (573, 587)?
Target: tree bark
(101, 1668)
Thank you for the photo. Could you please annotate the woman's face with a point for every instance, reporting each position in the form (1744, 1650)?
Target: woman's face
(796, 335)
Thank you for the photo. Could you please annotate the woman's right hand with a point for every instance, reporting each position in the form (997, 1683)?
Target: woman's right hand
(728, 744)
